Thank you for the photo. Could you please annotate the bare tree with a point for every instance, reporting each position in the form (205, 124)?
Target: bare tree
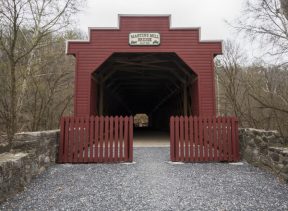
(24, 25)
(284, 7)
(269, 91)
(256, 93)
(265, 83)
(229, 76)
(264, 21)
(50, 90)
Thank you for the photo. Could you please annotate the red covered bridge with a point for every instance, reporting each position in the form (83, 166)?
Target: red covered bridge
(145, 66)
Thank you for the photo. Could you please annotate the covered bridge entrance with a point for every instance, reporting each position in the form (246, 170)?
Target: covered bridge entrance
(143, 66)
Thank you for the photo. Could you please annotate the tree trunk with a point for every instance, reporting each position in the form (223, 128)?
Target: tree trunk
(12, 124)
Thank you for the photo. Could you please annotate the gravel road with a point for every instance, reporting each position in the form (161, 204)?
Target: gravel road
(152, 183)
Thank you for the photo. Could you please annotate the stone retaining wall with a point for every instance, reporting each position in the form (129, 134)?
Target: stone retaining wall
(31, 154)
(265, 149)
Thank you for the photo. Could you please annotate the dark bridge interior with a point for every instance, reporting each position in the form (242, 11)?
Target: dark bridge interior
(158, 84)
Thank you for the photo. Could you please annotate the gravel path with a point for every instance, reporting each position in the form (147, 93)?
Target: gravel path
(152, 184)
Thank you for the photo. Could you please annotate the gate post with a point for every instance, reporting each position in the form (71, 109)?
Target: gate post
(237, 156)
(172, 140)
(62, 140)
(130, 155)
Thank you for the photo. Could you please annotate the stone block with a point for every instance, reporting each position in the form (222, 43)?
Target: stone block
(30, 155)
(274, 157)
(265, 150)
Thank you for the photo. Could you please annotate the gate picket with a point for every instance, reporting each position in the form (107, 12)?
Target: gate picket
(181, 138)
(233, 140)
(191, 139)
(66, 140)
(126, 138)
(229, 138)
(186, 158)
(224, 144)
(220, 138)
(130, 158)
(87, 134)
(70, 141)
(210, 138)
(172, 139)
(101, 138)
(76, 140)
(177, 138)
(91, 137)
(237, 155)
(121, 138)
(62, 140)
(106, 138)
(205, 152)
(196, 138)
(110, 140)
(215, 140)
(116, 154)
(96, 139)
(201, 137)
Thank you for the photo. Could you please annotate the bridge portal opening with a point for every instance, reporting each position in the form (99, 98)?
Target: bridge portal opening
(157, 84)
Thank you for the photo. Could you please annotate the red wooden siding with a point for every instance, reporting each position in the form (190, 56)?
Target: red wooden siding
(184, 42)
(93, 101)
(96, 139)
(202, 139)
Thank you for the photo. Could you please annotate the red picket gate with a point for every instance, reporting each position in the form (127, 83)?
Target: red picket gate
(96, 139)
(202, 139)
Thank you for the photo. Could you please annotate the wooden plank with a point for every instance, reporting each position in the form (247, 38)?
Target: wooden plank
(186, 126)
(181, 138)
(131, 139)
(237, 140)
(81, 140)
(172, 138)
(205, 131)
(126, 128)
(71, 139)
(196, 124)
(191, 139)
(96, 139)
(78, 145)
(210, 136)
(215, 140)
(106, 139)
(62, 140)
(76, 140)
(221, 139)
(234, 138)
(229, 141)
(121, 138)
(87, 134)
(219, 134)
(101, 138)
(66, 141)
(91, 138)
(116, 153)
(201, 138)
(233, 148)
(111, 139)
(224, 123)
(177, 138)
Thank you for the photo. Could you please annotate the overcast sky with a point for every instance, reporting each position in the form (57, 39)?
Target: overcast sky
(210, 15)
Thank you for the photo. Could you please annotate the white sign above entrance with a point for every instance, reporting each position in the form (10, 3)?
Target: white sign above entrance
(144, 38)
